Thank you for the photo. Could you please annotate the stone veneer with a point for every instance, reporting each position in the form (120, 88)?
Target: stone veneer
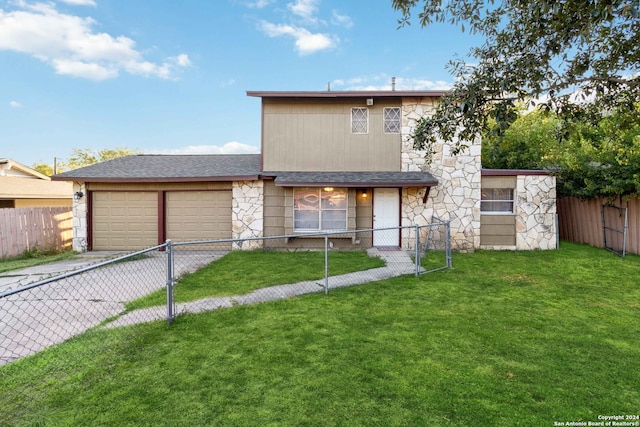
(457, 196)
(247, 213)
(80, 243)
(536, 212)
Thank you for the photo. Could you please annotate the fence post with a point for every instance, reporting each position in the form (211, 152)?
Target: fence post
(417, 257)
(326, 264)
(170, 313)
(448, 243)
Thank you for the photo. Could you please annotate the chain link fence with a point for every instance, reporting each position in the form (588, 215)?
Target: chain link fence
(106, 300)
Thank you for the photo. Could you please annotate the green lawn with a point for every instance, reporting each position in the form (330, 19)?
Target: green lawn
(502, 339)
(241, 272)
(32, 258)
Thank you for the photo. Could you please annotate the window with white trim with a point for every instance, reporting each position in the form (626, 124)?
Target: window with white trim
(359, 120)
(497, 200)
(319, 209)
(391, 119)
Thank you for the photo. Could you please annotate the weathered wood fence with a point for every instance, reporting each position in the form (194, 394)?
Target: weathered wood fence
(34, 228)
(581, 221)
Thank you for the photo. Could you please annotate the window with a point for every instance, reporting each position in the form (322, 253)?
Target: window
(497, 200)
(316, 209)
(391, 120)
(359, 120)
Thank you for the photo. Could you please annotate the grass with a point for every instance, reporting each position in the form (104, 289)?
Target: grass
(241, 272)
(33, 258)
(503, 339)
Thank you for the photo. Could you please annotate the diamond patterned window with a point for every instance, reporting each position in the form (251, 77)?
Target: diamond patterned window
(359, 120)
(392, 120)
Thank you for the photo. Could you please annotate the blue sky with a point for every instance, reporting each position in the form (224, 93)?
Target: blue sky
(165, 76)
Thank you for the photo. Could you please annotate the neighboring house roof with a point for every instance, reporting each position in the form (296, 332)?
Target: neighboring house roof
(10, 167)
(349, 94)
(514, 172)
(355, 179)
(169, 168)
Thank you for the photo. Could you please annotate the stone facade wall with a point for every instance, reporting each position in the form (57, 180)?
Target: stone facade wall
(247, 213)
(457, 196)
(536, 212)
(80, 242)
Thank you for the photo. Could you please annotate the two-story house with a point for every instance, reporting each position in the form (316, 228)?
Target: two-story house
(330, 161)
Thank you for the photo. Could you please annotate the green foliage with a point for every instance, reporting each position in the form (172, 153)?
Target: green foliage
(82, 157)
(503, 339)
(43, 168)
(527, 144)
(533, 50)
(601, 160)
(591, 160)
(88, 156)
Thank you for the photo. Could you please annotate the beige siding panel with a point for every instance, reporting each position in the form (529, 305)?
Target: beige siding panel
(499, 181)
(198, 215)
(124, 220)
(497, 230)
(43, 203)
(315, 135)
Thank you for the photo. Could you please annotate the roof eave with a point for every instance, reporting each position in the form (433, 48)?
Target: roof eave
(161, 179)
(349, 94)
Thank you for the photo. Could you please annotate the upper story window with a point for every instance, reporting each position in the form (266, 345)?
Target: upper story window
(319, 209)
(359, 120)
(391, 120)
(497, 200)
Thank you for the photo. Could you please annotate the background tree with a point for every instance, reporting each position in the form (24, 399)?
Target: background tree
(43, 168)
(81, 157)
(529, 143)
(534, 50)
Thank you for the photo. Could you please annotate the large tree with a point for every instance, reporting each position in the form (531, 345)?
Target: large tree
(577, 58)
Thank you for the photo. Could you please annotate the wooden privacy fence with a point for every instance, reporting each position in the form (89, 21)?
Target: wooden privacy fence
(35, 228)
(581, 221)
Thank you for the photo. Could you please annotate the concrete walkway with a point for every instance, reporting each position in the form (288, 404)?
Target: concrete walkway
(398, 263)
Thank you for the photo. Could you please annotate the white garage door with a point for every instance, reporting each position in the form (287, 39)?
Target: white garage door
(124, 220)
(198, 215)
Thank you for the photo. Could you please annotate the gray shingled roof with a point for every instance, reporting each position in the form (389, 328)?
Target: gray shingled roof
(356, 179)
(147, 167)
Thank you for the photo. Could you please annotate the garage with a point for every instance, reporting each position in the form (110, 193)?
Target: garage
(126, 220)
(198, 215)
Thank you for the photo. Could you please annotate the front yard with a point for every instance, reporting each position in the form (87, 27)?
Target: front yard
(502, 339)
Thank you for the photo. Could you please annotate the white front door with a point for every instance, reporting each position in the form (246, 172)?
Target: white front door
(386, 213)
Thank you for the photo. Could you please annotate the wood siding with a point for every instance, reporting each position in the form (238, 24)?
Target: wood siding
(35, 228)
(315, 135)
(497, 230)
(580, 221)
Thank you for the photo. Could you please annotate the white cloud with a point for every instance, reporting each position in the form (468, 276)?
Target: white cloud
(306, 42)
(15, 104)
(304, 8)
(232, 147)
(69, 44)
(259, 4)
(341, 20)
(80, 2)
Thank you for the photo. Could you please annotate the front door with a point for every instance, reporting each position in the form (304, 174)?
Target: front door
(386, 213)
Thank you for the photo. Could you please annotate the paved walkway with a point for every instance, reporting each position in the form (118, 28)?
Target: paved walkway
(398, 263)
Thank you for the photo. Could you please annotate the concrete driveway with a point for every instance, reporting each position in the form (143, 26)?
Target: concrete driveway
(34, 319)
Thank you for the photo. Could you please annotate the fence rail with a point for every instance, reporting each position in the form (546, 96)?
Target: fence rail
(27, 229)
(581, 221)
